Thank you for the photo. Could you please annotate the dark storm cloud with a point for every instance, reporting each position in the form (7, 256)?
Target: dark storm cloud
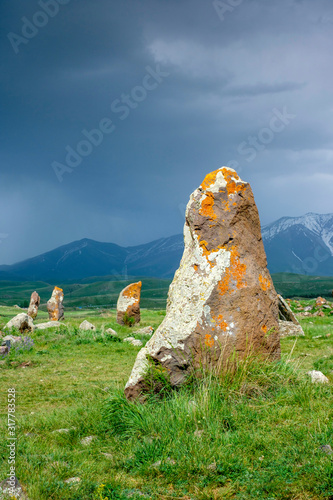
(225, 80)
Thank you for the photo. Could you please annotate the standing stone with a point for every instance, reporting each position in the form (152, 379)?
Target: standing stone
(320, 301)
(129, 303)
(34, 305)
(54, 305)
(222, 303)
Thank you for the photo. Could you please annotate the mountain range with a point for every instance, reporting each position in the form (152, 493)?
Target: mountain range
(301, 245)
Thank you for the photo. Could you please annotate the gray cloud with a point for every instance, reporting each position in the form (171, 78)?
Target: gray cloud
(226, 78)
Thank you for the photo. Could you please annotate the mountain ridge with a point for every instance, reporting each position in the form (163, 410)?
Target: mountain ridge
(301, 245)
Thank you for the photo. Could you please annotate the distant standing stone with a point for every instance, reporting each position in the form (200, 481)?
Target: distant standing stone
(54, 305)
(320, 301)
(222, 304)
(129, 303)
(85, 325)
(34, 305)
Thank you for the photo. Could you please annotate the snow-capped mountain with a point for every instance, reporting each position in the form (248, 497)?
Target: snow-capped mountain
(302, 245)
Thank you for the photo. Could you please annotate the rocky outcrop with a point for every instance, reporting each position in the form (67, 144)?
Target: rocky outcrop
(222, 304)
(34, 305)
(21, 322)
(55, 307)
(128, 305)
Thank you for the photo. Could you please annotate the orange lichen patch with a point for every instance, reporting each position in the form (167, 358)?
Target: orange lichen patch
(221, 323)
(58, 289)
(209, 341)
(234, 275)
(207, 205)
(209, 179)
(232, 187)
(264, 328)
(133, 290)
(264, 283)
(196, 267)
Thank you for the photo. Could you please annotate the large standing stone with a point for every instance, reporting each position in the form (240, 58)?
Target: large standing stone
(54, 305)
(21, 322)
(222, 302)
(34, 305)
(128, 304)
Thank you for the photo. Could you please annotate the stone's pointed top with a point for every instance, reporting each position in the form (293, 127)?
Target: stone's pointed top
(220, 179)
(58, 289)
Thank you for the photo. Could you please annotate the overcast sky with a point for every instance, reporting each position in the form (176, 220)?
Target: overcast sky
(178, 88)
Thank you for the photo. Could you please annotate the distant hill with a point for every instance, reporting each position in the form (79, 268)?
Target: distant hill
(301, 245)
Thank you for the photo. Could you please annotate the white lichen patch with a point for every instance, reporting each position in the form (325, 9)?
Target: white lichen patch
(124, 302)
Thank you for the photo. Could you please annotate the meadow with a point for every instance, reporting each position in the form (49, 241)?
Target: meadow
(257, 434)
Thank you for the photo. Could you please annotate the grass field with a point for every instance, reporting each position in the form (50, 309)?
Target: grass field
(256, 435)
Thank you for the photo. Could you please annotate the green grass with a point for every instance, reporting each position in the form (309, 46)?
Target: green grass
(254, 435)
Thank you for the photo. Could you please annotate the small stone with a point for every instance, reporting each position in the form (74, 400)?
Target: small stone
(137, 343)
(49, 324)
(198, 433)
(107, 455)
(72, 480)
(87, 440)
(129, 339)
(317, 377)
(112, 332)
(289, 329)
(85, 325)
(212, 466)
(307, 308)
(147, 330)
(326, 448)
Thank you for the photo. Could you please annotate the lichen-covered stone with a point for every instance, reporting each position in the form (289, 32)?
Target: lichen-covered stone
(55, 307)
(128, 305)
(222, 302)
(34, 305)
